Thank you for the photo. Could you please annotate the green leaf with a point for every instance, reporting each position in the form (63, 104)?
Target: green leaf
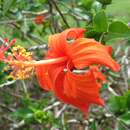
(7, 4)
(40, 116)
(125, 118)
(105, 2)
(118, 27)
(118, 30)
(22, 113)
(87, 3)
(100, 22)
(119, 104)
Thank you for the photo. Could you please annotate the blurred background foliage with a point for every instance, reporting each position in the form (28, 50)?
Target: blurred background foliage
(23, 105)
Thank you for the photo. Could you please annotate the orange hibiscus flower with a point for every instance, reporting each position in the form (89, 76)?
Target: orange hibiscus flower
(70, 53)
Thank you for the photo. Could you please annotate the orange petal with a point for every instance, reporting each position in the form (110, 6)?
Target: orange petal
(82, 86)
(47, 75)
(86, 52)
(59, 92)
(58, 43)
(78, 90)
(44, 78)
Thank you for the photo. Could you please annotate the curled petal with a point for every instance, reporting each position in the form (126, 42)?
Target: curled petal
(58, 43)
(86, 52)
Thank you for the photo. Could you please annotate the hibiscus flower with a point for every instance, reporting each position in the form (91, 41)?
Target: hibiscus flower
(72, 53)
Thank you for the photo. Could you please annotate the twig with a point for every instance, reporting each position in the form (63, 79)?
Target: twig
(112, 91)
(102, 36)
(52, 106)
(44, 12)
(35, 38)
(24, 87)
(8, 118)
(33, 48)
(62, 16)
(7, 83)
(18, 125)
(60, 111)
(73, 121)
(117, 50)
(63, 121)
(124, 77)
(8, 108)
(116, 118)
(124, 68)
(15, 21)
(78, 16)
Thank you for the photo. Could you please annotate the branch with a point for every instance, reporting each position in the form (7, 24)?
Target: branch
(62, 16)
(61, 111)
(33, 48)
(7, 83)
(52, 106)
(44, 12)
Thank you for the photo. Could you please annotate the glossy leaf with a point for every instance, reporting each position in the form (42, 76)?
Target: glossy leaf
(119, 104)
(100, 22)
(118, 30)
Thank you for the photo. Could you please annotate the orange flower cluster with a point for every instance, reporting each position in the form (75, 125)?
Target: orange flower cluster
(20, 71)
(14, 60)
(79, 53)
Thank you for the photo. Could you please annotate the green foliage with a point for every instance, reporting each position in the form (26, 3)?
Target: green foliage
(118, 29)
(100, 22)
(31, 112)
(87, 4)
(125, 118)
(120, 106)
(105, 2)
(7, 4)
